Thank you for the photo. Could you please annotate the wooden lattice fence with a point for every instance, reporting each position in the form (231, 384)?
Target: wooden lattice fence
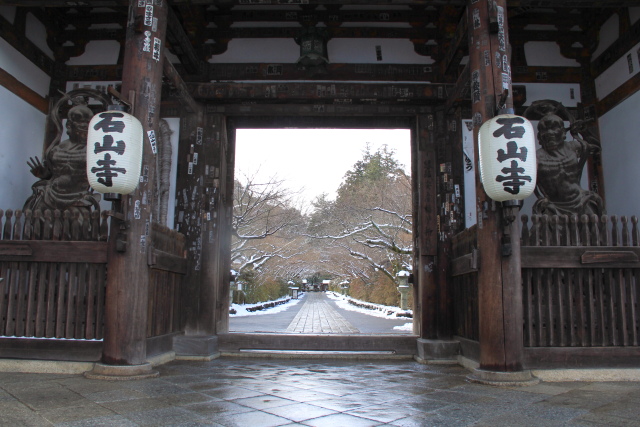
(53, 271)
(580, 281)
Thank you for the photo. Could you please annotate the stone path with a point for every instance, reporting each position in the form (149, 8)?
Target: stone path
(317, 317)
(265, 392)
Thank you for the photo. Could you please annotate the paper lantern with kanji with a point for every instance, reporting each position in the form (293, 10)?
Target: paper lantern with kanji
(114, 151)
(507, 157)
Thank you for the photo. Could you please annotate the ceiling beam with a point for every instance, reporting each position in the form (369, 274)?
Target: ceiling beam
(339, 72)
(181, 45)
(574, 4)
(319, 93)
(178, 87)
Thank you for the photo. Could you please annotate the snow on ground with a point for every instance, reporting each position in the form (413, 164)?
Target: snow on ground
(384, 311)
(241, 309)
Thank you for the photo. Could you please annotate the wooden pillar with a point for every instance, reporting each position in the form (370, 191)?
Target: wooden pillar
(426, 237)
(227, 169)
(124, 349)
(499, 280)
(214, 309)
(189, 201)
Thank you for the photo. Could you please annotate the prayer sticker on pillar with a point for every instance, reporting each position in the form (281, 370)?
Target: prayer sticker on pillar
(506, 81)
(475, 86)
(157, 44)
(502, 38)
(477, 23)
(152, 140)
(114, 152)
(146, 44)
(148, 15)
(507, 157)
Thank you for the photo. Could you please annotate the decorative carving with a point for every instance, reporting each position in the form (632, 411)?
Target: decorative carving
(560, 162)
(63, 179)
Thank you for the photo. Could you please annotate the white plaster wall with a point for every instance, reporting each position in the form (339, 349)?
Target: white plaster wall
(22, 69)
(541, 54)
(620, 154)
(98, 52)
(567, 93)
(621, 71)
(608, 35)
(21, 128)
(37, 33)
(21, 136)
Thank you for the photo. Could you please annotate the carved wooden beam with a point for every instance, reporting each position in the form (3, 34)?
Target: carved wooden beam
(457, 47)
(329, 17)
(25, 46)
(332, 93)
(178, 86)
(181, 44)
(511, 3)
(461, 91)
(338, 32)
(359, 72)
(23, 92)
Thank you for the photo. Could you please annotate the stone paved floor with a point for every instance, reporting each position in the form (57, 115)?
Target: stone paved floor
(317, 317)
(273, 392)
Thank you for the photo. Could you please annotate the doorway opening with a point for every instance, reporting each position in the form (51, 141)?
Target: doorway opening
(322, 231)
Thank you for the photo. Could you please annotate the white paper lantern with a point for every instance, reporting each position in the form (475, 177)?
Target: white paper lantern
(507, 157)
(114, 151)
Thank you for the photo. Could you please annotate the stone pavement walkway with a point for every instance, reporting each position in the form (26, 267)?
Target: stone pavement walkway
(263, 392)
(317, 317)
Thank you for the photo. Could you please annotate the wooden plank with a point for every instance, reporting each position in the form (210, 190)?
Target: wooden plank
(41, 308)
(595, 257)
(577, 357)
(309, 93)
(21, 299)
(53, 251)
(161, 260)
(23, 92)
(12, 285)
(571, 257)
(465, 264)
(39, 349)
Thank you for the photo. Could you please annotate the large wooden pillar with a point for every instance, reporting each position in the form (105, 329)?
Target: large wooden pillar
(201, 217)
(124, 349)
(499, 281)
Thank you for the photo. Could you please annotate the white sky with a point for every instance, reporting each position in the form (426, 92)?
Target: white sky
(314, 160)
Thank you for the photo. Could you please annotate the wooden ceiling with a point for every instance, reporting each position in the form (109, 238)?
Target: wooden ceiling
(198, 30)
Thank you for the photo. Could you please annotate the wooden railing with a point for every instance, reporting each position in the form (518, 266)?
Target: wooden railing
(580, 281)
(53, 271)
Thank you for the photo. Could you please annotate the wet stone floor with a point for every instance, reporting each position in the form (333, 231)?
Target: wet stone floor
(251, 392)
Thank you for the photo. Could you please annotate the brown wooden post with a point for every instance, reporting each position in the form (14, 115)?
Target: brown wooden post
(225, 214)
(214, 311)
(124, 349)
(427, 301)
(427, 227)
(499, 280)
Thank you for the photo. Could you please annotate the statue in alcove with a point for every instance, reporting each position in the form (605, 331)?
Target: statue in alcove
(62, 173)
(561, 162)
